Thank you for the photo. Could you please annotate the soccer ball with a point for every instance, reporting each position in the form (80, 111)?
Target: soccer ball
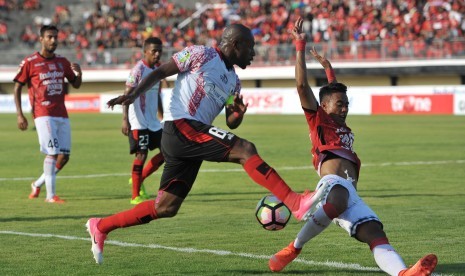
(271, 213)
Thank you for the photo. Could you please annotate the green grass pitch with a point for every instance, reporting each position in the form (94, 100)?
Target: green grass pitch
(413, 176)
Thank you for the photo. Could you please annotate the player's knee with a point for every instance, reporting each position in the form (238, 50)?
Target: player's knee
(247, 149)
(339, 197)
(369, 231)
(167, 211)
(141, 156)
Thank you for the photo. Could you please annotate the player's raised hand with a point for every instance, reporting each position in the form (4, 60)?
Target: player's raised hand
(321, 59)
(297, 32)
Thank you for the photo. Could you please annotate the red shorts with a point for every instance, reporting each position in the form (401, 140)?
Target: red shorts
(185, 144)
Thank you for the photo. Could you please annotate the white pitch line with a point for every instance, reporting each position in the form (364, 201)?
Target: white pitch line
(190, 250)
(386, 164)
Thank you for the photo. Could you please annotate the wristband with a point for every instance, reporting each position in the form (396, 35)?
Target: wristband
(330, 75)
(300, 45)
(236, 114)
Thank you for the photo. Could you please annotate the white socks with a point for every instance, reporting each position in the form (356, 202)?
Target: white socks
(50, 176)
(314, 226)
(388, 259)
(41, 180)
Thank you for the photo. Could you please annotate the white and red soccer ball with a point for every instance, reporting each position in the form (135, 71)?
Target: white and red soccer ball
(271, 213)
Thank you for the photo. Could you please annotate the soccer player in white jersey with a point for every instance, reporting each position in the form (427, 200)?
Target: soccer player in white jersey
(141, 120)
(338, 166)
(206, 83)
(44, 73)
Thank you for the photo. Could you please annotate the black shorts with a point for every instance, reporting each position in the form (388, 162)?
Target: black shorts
(185, 144)
(142, 140)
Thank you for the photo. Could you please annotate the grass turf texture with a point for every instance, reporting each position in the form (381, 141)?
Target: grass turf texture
(421, 205)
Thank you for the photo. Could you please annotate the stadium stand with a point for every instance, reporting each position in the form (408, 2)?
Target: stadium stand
(109, 32)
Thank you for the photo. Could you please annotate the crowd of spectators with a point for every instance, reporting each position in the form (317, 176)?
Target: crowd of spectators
(346, 29)
(7, 6)
(11, 5)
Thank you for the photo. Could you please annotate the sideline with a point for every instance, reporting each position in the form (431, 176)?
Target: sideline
(190, 250)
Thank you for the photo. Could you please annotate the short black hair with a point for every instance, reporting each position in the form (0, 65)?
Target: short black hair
(45, 28)
(330, 88)
(235, 32)
(152, 40)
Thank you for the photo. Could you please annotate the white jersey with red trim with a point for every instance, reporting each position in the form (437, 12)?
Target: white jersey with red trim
(202, 87)
(142, 114)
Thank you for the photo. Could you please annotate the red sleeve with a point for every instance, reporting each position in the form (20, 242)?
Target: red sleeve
(22, 76)
(310, 115)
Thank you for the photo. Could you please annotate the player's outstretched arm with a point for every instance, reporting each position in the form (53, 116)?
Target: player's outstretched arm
(307, 99)
(326, 64)
(167, 69)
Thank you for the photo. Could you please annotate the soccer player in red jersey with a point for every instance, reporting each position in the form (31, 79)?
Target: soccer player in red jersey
(44, 74)
(206, 83)
(141, 120)
(338, 166)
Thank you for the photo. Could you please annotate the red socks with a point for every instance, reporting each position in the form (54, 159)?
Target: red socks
(267, 177)
(142, 213)
(136, 177)
(152, 165)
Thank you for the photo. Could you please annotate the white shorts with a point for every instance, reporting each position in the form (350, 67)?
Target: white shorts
(357, 211)
(54, 135)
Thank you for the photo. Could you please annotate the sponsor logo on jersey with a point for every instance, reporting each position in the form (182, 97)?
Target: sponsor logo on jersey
(49, 75)
(52, 81)
(54, 89)
(51, 66)
(39, 64)
(45, 103)
(183, 56)
(131, 79)
(216, 93)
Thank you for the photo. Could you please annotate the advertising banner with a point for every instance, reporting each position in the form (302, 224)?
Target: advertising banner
(412, 104)
(7, 104)
(362, 100)
(459, 104)
(83, 103)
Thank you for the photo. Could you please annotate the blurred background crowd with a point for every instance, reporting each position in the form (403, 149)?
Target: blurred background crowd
(110, 32)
